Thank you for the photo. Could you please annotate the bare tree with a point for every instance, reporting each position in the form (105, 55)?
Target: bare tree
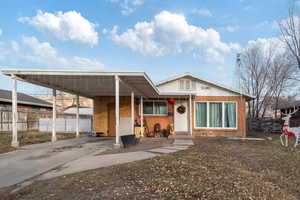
(266, 72)
(290, 30)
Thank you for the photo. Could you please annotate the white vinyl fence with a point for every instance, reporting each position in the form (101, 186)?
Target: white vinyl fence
(65, 125)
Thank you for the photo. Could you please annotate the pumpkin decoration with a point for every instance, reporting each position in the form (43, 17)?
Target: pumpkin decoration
(181, 109)
(171, 100)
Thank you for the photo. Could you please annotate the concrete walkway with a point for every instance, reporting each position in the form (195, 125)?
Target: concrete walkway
(97, 161)
(32, 160)
(70, 156)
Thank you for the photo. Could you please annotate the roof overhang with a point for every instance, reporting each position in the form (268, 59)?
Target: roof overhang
(89, 84)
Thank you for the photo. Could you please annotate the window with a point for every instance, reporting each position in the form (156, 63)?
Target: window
(230, 115)
(201, 114)
(216, 115)
(155, 108)
(185, 84)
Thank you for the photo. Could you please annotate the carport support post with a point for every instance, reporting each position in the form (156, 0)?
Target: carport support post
(142, 117)
(14, 142)
(190, 114)
(132, 112)
(117, 101)
(54, 117)
(77, 116)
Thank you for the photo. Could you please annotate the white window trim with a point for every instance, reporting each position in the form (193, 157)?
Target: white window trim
(223, 115)
(153, 107)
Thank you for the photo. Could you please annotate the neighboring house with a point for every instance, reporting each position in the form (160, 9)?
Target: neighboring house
(65, 100)
(28, 108)
(25, 101)
(189, 103)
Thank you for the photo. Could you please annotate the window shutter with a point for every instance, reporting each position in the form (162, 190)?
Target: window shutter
(193, 85)
(181, 84)
(187, 84)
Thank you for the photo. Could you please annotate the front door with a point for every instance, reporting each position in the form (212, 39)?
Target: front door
(181, 118)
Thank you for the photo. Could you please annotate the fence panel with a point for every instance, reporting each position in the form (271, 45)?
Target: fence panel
(34, 120)
(65, 125)
(265, 125)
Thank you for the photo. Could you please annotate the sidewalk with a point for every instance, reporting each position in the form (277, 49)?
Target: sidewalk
(97, 161)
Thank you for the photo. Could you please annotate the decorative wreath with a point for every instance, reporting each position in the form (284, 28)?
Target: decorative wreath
(181, 109)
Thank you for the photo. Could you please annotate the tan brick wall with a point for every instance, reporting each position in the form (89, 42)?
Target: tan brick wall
(100, 122)
(241, 116)
(164, 121)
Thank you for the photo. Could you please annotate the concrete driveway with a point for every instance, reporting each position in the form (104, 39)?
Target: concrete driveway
(32, 160)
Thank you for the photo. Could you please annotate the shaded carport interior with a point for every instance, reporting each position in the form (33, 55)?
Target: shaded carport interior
(91, 84)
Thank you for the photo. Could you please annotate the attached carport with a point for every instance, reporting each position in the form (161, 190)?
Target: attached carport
(88, 84)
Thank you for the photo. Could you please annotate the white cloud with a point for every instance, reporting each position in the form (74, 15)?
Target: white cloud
(230, 28)
(267, 24)
(202, 12)
(64, 26)
(30, 51)
(0, 32)
(128, 6)
(170, 33)
(267, 45)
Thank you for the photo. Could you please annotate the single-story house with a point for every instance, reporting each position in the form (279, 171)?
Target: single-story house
(124, 99)
(25, 102)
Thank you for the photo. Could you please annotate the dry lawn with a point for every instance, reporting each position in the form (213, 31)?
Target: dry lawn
(215, 168)
(30, 137)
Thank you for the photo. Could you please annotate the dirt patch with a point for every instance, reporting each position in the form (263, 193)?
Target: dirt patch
(214, 168)
(144, 145)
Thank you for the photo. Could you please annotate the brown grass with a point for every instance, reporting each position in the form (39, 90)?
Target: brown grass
(30, 137)
(214, 168)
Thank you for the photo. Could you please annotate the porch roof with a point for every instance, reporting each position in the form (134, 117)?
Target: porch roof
(89, 83)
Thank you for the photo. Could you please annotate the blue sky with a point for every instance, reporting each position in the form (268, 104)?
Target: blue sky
(161, 37)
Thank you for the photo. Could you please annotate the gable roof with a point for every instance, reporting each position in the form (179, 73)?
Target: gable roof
(6, 96)
(206, 81)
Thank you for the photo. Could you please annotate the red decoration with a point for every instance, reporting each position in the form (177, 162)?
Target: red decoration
(171, 100)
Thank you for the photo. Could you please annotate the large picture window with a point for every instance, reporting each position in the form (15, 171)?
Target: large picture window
(155, 108)
(215, 115)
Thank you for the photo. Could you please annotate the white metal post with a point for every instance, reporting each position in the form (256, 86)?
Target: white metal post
(77, 115)
(132, 111)
(142, 117)
(191, 118)
(54, 116)
(117, 102)
(14, 142)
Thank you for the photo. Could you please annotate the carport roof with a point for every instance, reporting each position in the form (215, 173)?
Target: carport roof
(89, 83)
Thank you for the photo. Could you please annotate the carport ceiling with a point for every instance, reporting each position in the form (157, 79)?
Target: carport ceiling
(89, 83)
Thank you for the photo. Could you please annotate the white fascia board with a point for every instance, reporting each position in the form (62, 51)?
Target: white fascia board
(9, 72)
(71, 72)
